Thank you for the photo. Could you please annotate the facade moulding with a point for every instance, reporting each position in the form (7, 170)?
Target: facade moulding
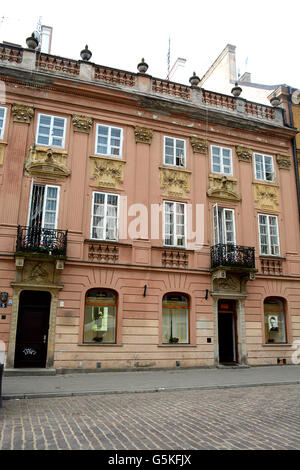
(107, 172)
(266, 196)
(22, 112)
(175, 182)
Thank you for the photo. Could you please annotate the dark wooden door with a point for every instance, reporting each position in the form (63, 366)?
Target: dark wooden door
(227, 333)
(32, 330)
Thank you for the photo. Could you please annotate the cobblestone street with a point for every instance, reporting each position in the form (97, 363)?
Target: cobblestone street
(249, 418)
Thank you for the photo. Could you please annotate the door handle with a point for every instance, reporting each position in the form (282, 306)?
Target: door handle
(45, 339)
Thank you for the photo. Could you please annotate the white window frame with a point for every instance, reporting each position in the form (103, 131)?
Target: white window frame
(105, 216)
(175, 245)
(221, 172)
(109, 153)
(46, 186)
(50, 144)
(264, 167)
(268, 235)
(174, 154)
(217, 227)
(4, 122)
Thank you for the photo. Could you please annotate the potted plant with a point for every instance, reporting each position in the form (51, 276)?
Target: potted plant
(173, 339)
(98, 339)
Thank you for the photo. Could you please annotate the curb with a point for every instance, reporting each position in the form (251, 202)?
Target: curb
(150, 390)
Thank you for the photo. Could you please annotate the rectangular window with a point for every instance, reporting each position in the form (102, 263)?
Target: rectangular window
(174, 152)
(100, 317)
(44, 206)
(105, 214)
(224, 226)
(221, 160)
(51, 131)
(2, 121)
(264, 168)
(175, 319)
(268, 235)
(109, 141)
(174, 224)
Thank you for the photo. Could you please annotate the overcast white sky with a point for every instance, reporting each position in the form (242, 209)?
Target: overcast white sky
(120, 32)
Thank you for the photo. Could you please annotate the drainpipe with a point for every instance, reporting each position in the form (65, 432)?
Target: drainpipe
(294, 148)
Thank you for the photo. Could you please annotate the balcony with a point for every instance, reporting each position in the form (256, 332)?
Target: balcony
(41, 241)
(232, 256)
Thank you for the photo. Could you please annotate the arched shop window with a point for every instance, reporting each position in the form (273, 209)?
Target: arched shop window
(275, 327)
(100, 316)
(175, 319)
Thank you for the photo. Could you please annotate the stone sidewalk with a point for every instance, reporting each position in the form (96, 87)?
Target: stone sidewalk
(75, 384)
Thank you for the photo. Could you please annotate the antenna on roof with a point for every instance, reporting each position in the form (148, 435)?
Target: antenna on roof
(169, 58)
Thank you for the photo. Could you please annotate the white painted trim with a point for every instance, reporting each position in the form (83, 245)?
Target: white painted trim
(174, 155)
(108, 154)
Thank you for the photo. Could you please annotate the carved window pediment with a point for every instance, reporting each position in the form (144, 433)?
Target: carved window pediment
(223, 188)
(47, 163)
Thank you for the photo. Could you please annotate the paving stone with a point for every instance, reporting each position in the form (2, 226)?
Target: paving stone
(248, 418)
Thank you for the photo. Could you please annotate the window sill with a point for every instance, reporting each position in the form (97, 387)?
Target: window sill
(177, 345)
(270, 345)
(114, 345)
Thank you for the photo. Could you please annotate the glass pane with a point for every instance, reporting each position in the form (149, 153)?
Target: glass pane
(103, 130)
(58, 122)
(100, 319)
(175, 325)
(56, 141)
(274, 321)
(115, 132)
(45, 120)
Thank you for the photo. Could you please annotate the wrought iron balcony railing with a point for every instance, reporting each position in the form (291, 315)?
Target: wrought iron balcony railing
(232, 255)
(42, 240)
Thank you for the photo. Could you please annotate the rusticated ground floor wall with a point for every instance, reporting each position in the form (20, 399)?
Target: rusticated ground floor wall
(139, 317)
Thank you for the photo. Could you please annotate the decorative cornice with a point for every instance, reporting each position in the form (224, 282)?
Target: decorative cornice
(223, 188)
(143, 135)
(107, 172)
(199, 145)
(244, 154)
(267, 196)
(283, 161)
(46, 162)
(175, 182)
(22, 112)
(82, 123)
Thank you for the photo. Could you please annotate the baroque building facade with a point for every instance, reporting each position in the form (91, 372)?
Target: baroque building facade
(143, 223)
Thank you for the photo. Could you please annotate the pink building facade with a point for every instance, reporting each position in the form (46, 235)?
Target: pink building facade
(143, 224)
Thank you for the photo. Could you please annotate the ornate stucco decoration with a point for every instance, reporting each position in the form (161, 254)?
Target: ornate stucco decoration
(267, 196)
(47, 163)
(175, 182)
(143, 135)
(199, 145)
(283, 162)
(107, 172)
(82, 123)
(228, 284)
(244, 154)
(223, 188)
(2, 151)
(22, 112)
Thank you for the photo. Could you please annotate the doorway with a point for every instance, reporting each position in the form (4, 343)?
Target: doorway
(32, 329)
(227, 332)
